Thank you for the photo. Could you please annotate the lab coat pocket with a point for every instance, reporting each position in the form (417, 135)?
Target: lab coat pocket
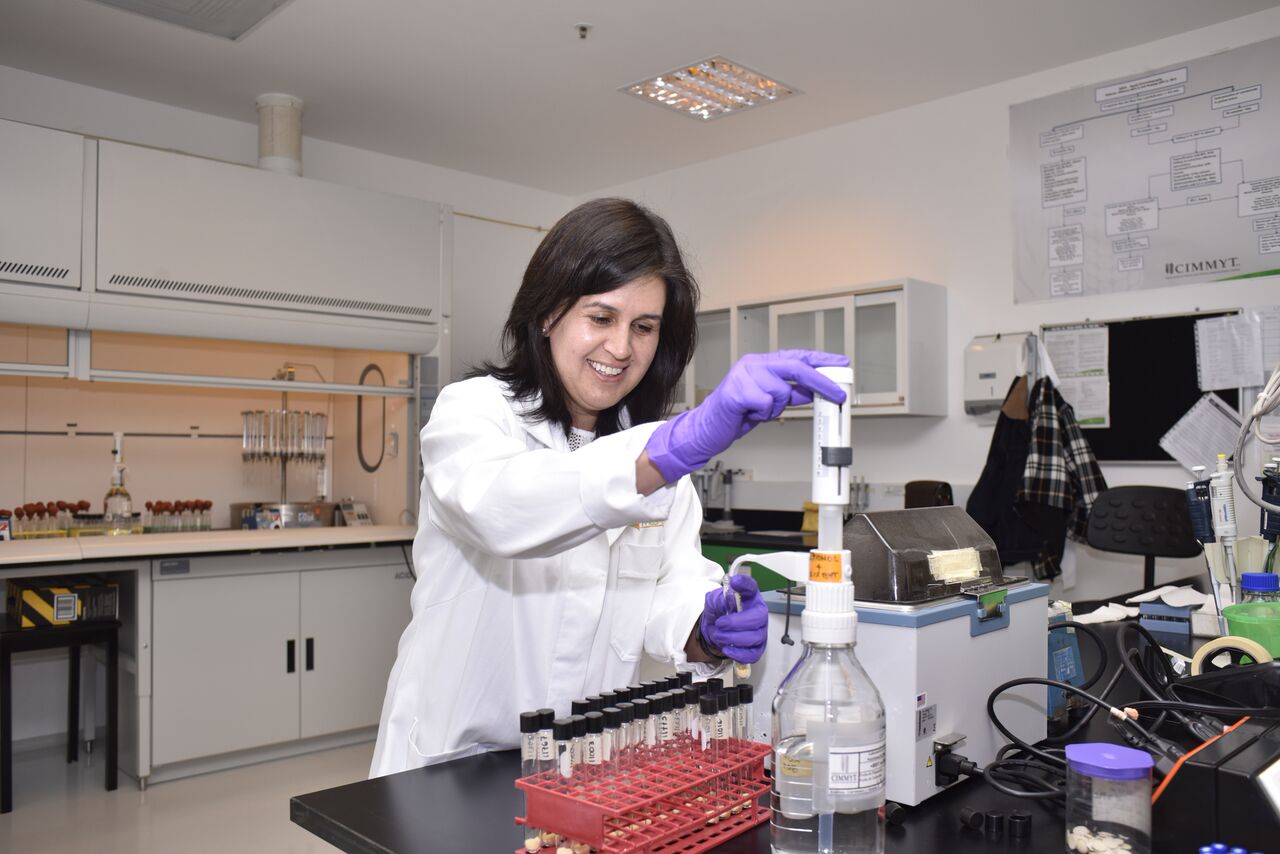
(638, 567)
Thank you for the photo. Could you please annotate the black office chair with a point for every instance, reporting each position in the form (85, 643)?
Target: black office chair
(1151, 521)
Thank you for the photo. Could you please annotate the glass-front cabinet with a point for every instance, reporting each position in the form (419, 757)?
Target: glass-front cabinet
(893, 332)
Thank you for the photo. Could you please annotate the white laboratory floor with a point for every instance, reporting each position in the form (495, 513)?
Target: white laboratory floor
(64, 809)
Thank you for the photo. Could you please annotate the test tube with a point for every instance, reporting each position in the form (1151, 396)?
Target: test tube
(530, 723)
(579, 736)
(745, 695)
(735, 719)
(679, 720)
(562, 731)
(626, 736)
(612, 738)
(593, 749)
(646, 731)
(708, 744)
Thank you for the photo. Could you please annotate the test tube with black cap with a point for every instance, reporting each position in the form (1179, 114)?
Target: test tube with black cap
(579, 735)
(746, 694)
(593, 743)
(685, 677)
(612, 738)
(648, 741)
(530, 836)
(628, 734)
(579, 707)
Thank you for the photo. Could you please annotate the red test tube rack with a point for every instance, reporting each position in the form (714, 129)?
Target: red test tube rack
(683, 803)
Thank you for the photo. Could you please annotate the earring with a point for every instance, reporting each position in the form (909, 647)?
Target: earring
(544, 329)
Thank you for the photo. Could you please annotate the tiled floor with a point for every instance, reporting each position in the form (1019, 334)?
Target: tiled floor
(64, 809)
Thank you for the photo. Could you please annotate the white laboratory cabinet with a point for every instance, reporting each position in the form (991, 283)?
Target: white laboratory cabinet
(259, 650)
(41, 218)
(895, 334)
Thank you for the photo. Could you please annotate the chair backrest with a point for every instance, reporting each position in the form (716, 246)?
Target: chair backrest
(927, 493)
(1142, 520)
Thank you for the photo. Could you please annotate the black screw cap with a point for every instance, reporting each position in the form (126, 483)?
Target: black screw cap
(1019, 824)
(969, 817)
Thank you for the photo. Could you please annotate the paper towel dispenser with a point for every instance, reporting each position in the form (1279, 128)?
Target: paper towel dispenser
(990, 364)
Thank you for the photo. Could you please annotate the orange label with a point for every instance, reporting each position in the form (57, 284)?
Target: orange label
(825, 566)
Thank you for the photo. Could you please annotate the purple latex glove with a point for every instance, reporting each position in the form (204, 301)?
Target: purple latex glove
(757, 388)
(739, 635)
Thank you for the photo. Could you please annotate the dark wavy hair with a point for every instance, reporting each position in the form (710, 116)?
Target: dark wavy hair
(597, 247)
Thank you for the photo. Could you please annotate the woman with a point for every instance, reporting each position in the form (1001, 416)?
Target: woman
(558, 536)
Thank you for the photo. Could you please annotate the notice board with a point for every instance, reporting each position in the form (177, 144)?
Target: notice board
(1152, 368)
(1162, 178)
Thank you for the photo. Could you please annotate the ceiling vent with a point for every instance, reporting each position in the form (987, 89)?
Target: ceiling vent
(230, 19)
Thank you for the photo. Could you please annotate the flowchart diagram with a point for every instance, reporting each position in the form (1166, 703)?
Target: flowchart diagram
(1163, 178)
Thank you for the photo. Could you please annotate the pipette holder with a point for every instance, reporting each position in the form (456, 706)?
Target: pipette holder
(683, 803)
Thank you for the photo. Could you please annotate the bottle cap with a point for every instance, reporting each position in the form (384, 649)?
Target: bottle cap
(562, 729)
(595, 703)
(1109, 761)
(579, 707)
(746, 693)
(642, 707)
(609, 697)
(635, 692)
(612, 717)
(722, 701)
(707, 704)
(731, 696)
(714, 685)
(529, 722)
(672, 683)
(628, 712)
(678, 698)
(594, 722)
(1260, 581)
(546, 717)
(686, 678)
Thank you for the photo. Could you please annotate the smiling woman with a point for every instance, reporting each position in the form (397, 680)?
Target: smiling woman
(552, 550)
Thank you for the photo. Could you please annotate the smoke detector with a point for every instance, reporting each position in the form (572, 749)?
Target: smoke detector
(229, 19)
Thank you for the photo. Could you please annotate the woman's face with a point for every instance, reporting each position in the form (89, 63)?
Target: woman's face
(604, 344)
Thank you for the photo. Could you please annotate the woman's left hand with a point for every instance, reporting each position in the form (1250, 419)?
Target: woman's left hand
(739, 635)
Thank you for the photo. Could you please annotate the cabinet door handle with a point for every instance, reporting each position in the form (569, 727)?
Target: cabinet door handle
(311, 654)
(289, 656)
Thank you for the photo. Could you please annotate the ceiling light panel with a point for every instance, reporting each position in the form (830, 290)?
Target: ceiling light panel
(709, 89)
(227, 18)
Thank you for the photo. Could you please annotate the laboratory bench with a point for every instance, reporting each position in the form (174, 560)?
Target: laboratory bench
(239, 646)
(470, 804)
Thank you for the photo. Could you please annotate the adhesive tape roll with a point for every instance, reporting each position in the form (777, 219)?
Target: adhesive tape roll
(1251, 648)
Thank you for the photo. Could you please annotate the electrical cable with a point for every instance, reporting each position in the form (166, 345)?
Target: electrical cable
(1268, 400)
(1098, 642)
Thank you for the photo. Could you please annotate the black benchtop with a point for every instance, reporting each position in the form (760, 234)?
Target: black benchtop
(468, 805)
(760, 542)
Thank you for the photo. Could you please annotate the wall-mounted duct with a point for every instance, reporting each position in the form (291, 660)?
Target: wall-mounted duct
(280, 133)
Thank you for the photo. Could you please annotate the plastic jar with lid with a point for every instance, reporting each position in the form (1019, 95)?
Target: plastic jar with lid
(1108, 799)
(1259, 587)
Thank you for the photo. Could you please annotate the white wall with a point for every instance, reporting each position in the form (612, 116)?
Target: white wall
(922, 192)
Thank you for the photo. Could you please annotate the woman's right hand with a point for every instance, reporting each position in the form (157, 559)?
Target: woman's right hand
(757, 388)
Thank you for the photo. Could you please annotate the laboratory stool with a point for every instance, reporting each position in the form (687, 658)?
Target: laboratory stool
(73, 636)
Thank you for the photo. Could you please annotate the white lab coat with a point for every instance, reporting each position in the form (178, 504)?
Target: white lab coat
(542, 577)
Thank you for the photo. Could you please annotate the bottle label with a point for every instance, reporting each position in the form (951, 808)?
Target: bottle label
(791, 766)
(528, 743)
(826, 567)
(594, 750)
(856, 769)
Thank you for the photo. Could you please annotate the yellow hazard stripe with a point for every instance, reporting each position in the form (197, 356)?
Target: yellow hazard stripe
(38, 605)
